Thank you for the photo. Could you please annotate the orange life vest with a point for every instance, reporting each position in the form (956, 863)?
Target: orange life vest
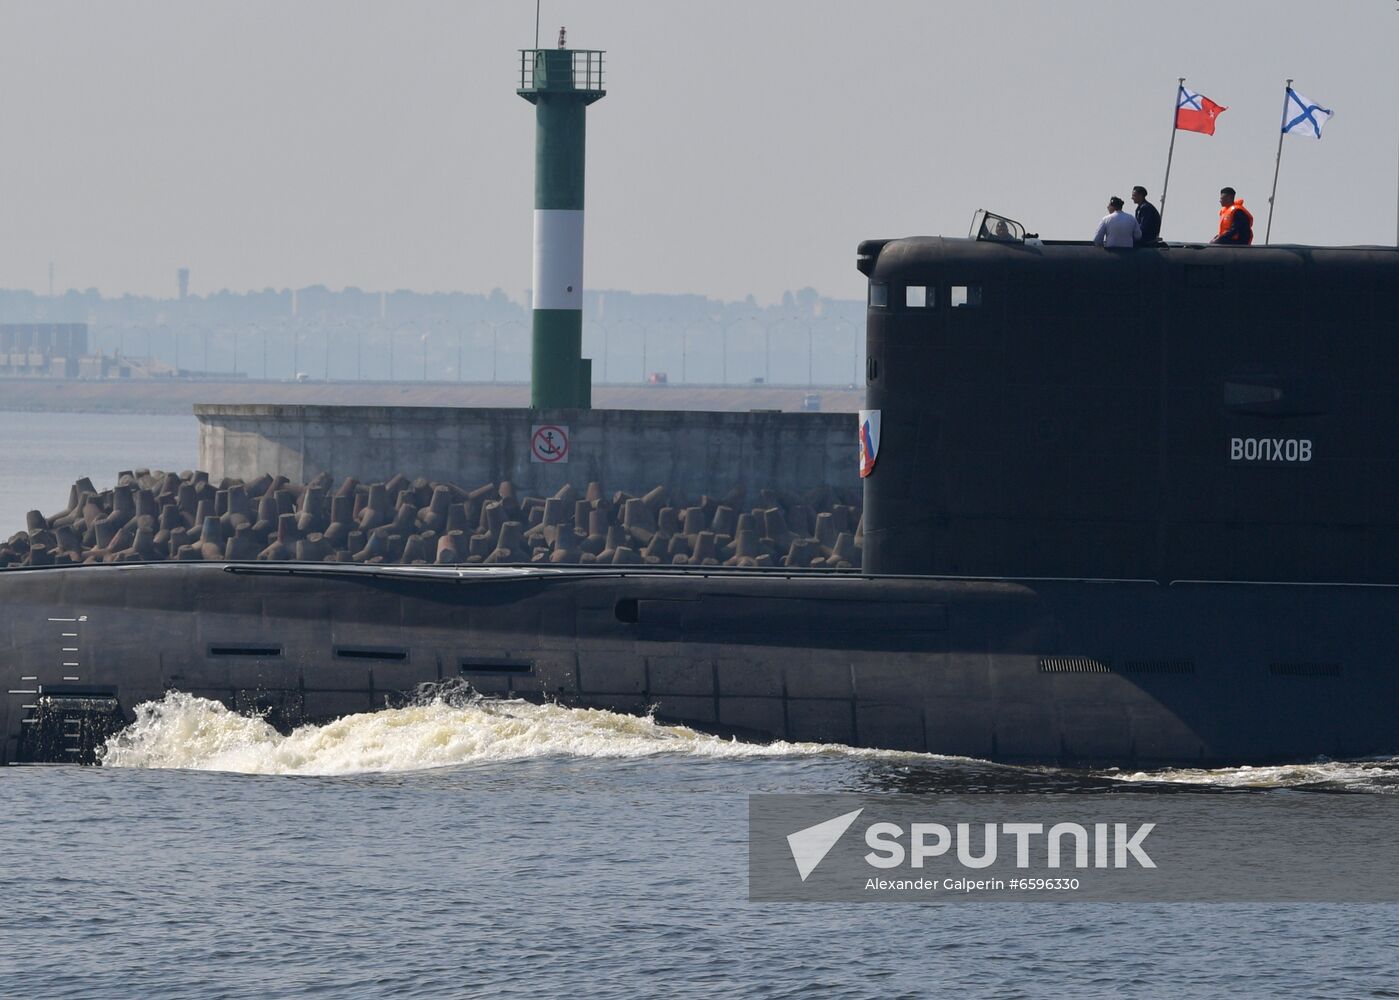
(1226, 218)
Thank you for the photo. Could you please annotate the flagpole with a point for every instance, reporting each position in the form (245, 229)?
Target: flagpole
(1278, 165)
(1172, 151)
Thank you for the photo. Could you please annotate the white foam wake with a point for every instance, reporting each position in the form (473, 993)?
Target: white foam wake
(184, 731)
(1377, 774)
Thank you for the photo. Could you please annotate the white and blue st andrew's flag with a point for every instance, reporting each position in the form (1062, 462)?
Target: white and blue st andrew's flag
(1303, 116)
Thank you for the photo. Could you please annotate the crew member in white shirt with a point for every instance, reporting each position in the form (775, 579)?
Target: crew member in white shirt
(1118, 229)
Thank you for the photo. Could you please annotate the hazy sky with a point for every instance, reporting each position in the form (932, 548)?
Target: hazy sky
(742, 146)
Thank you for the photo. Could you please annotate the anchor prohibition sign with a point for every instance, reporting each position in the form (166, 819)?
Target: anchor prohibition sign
(548, 443)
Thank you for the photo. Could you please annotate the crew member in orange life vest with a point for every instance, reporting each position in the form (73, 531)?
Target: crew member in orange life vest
(1235, 221)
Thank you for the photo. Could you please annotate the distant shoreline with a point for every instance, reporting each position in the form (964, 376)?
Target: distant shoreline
(179, 396)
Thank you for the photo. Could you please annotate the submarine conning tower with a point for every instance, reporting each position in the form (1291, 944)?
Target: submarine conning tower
(560, 83)
(1181, 412)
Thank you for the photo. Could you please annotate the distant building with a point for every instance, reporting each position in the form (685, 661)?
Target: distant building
(183, 275)
(46, 349)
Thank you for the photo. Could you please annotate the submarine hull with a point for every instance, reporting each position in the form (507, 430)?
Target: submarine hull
(1101, 672)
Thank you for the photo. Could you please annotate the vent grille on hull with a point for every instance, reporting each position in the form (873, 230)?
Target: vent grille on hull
(1158, 667)
(1305, 669)
(493, 665)
(1073, 665)
(370, 653)
(257, 650)
(1089, 665)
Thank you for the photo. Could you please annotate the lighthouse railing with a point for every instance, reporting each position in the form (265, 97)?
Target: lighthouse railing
(540, 69)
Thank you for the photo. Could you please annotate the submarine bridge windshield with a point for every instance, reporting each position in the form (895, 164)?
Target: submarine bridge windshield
(997, 228)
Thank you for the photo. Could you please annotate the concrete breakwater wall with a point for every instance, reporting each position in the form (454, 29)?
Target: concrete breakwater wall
(151, 516)
(538, 451)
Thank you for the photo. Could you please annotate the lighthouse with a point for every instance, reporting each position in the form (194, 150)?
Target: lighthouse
(560, 83)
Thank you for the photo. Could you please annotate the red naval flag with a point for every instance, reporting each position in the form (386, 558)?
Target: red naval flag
(1196, 112)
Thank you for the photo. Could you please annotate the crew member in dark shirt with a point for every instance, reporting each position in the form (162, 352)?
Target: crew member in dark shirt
(1147, 217)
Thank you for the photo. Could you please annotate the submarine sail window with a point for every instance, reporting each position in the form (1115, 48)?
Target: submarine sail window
(965, 296)
(879, 295)
(919, 297)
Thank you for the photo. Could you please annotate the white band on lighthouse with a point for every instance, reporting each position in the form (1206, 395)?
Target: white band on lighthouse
(558, 258)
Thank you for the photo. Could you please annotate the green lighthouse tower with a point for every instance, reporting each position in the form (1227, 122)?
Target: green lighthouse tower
(560, 83)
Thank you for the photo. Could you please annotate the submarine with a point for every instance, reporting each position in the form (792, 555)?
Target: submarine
(1122, 508)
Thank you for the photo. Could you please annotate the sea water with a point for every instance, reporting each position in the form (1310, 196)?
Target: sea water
(475, 848)
(43, 454)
